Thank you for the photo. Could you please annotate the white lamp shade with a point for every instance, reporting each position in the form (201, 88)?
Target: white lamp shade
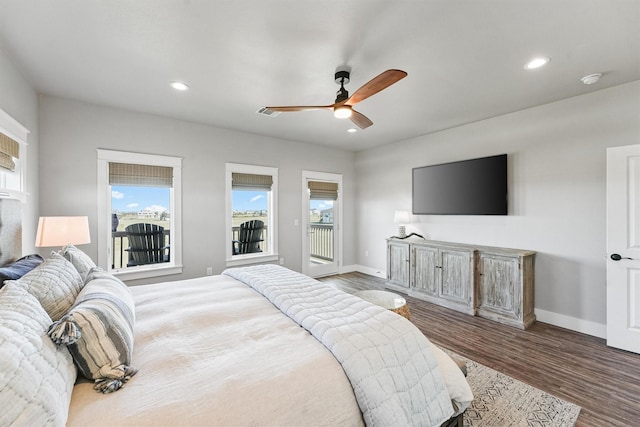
(402, 217)
(62, 231)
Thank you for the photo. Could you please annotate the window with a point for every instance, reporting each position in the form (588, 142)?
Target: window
(139, 189)
(13, 158)
(251, 196)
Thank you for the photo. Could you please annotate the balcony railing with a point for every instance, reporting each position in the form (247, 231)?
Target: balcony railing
(320, 243)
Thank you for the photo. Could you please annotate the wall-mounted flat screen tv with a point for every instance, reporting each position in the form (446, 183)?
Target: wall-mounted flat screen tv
(468, 187)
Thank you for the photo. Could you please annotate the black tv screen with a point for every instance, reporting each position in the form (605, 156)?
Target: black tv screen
(468, 187)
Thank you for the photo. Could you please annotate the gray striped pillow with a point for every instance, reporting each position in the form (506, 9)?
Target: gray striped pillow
(99, 331)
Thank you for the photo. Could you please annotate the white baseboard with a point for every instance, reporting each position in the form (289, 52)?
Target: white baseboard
(364, 270)
(561, 320)
(579, 325)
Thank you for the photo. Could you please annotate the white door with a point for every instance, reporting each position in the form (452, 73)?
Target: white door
(321, 215)
(623, 247)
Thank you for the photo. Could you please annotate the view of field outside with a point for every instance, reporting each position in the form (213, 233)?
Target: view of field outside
(248, 205)
(133, 205)
(152, 205)
(141, 204)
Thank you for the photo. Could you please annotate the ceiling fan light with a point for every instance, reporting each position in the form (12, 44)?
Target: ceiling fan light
(343, 112)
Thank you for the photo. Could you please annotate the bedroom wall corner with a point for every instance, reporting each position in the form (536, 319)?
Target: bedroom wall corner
(19, 99)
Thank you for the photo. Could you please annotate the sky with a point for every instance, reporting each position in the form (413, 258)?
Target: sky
(321, 204)
(135, 199)
(249, 200)
(257, 200)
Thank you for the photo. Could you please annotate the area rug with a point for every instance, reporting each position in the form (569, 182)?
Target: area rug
(500, 400)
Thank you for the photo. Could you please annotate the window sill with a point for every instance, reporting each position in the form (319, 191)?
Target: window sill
(13, 194)
(133, 273)
(251, 259)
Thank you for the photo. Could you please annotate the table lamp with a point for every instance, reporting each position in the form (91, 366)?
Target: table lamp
(62, 231)
(401, 218)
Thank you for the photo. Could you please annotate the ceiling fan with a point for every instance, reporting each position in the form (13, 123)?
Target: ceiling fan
(343, 105)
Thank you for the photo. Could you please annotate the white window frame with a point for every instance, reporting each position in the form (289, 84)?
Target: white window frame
(271, 254)
(13, 185)
(104, 214)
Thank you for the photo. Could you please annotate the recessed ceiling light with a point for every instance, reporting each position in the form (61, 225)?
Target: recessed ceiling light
(591, 78)
(179, 86)
(536, 63)
(352, 130)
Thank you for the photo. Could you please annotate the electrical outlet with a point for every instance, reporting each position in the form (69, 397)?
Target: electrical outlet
(366, 253)
(209, 271)
(281, 261)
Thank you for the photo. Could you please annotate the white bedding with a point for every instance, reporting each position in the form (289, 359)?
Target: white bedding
(239, 362)
(212, 351)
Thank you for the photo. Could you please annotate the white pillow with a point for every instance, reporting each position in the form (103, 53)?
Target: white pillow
(36, 376)
(81, 261)
(55, 283)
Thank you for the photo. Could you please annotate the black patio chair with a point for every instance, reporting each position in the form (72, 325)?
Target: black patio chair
(249, 238)
(146, 244)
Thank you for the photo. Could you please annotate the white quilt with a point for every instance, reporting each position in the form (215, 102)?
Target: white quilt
(388, 361)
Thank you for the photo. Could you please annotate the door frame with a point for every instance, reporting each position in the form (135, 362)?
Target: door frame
(337, 222)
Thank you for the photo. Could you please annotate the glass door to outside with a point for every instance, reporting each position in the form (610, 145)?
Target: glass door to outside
(321, 253)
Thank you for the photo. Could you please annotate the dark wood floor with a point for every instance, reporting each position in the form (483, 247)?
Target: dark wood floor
(579, 368)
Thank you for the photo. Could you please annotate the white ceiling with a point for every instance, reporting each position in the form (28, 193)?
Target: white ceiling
(464, 58)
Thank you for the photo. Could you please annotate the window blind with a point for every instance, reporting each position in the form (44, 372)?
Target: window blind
(323, 190)
(140, 175)
(9, 149)
(247, 181)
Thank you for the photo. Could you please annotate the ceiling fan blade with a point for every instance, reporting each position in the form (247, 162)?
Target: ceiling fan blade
(360, 119)
(375, 85)
(300, 108)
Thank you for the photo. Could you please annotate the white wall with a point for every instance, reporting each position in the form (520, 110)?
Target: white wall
(72, 131)
(20, 101)
(556, 182)
(557, 165)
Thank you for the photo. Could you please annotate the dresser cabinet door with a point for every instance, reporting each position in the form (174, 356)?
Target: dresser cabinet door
(456, 275)
(425, 269)
(500, 289)
(398, 264)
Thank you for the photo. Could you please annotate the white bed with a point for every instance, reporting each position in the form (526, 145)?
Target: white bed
(240, 362)
(215, 351)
